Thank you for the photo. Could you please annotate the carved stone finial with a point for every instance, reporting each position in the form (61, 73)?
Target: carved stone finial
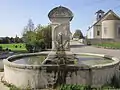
(59, 12)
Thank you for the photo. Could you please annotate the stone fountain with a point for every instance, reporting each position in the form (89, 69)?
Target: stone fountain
(59, 67)
(60, 54)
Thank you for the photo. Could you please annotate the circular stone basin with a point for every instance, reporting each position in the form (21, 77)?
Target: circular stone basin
(81, 59)
(90, 68)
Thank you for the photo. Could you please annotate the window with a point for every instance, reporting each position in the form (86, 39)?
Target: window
(100, 16)
(118, 30)
(105, 30)
(98, 33)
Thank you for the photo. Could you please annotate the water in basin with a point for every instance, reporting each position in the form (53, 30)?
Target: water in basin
(84, 59)
(31, 60)
(92, 60)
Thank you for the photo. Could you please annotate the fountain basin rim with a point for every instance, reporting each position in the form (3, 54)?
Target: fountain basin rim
(9, 62)
(115, 60)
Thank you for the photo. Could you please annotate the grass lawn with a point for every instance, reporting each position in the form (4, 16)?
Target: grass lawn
(110, 45)
(14, 46)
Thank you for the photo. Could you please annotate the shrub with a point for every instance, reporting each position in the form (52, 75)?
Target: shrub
(6, 49)
(36, 46)
(16, 46)
(86, 87)
(29, 47)
(75, 87)
(10, 50)
(40, 45)
(1, 48)
(20, 46)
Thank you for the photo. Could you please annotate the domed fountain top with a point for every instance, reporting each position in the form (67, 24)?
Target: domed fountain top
(59, 12)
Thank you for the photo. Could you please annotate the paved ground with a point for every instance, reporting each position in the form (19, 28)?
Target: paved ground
(2, 86)
(80, 48)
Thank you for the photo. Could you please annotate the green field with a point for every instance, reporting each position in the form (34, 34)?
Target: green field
(110, 45)
(14, 46)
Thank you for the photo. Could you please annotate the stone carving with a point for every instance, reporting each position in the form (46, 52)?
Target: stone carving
(61, 29)
(60, 54)
(60, 12)
(60, 46)
(51, 78)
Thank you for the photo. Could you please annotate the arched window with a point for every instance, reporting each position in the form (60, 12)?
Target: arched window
(100, 16)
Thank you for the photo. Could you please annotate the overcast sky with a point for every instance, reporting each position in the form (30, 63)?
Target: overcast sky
(14, 14)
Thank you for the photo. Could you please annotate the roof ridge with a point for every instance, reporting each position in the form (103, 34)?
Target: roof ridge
(112, 16)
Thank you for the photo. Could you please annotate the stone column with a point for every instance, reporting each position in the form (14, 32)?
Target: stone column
(64, 29)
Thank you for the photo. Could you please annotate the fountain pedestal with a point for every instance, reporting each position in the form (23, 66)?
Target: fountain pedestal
(60, 18)
(53, 58)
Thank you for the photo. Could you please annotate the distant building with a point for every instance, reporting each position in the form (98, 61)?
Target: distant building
(107, 26)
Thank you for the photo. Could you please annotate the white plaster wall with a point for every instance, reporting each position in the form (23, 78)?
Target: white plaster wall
(112, 27)
(95, 29)
(117, 28)
(90, 33)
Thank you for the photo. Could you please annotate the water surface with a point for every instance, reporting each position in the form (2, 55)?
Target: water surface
(82, 59)
(31, 60)
(92, 60)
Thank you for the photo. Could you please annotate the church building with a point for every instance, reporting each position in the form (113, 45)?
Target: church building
(107, 26)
